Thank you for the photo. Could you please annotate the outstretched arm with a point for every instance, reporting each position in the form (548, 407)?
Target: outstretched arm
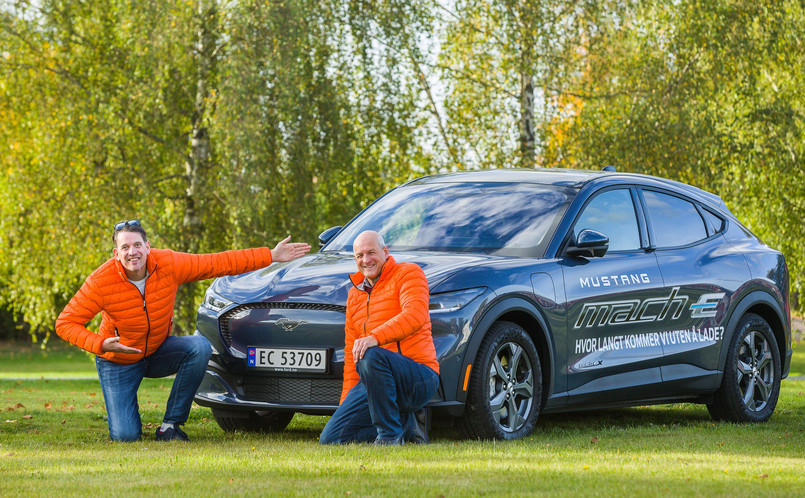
(192, 267)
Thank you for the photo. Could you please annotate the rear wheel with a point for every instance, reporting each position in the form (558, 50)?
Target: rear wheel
(751, 383)
(258, 421)
(505, 390)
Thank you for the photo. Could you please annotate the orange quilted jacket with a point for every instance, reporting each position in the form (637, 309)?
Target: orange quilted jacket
(143, 322)
(396, 313)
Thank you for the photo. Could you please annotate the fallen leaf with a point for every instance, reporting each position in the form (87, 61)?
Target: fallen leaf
(231, 480)
(64, 421)
(27, 416)
(11, 421)
(762, 476)
(19, 405)
(594, 440)
(48, 405)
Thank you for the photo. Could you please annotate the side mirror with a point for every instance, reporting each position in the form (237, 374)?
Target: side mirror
(328, 234)
(590, 244)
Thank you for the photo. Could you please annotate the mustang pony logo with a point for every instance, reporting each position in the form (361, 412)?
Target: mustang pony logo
(288, 324)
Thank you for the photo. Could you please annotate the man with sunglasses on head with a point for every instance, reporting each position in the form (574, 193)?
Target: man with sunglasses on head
(135, 292)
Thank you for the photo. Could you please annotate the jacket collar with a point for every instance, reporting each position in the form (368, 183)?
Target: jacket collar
(358, 278)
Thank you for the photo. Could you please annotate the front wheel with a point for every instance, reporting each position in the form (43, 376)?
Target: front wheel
(262, 421)
(505, 391)
(751, 383)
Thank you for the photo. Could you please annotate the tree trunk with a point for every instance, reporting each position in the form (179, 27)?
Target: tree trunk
(197, 163)
(527, 147)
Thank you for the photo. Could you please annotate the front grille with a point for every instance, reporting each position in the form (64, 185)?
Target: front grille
(289, 390)
(224, 320)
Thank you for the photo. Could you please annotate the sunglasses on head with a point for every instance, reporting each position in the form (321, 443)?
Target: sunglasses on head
(123, 224)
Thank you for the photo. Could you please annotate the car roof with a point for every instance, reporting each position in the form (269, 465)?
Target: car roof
(574, 178)
(547, 176)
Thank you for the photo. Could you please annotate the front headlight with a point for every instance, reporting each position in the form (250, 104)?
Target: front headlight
(215, 302)
(454, 300)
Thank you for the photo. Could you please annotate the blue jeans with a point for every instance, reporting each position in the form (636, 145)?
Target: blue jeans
(382, 404)
(187, 357)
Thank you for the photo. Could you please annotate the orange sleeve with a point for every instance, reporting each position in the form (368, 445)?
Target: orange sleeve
(350, 375)
(193, 267)
(81, 309)
(414, 299)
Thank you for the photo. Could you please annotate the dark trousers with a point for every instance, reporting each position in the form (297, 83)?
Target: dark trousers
(382, 404)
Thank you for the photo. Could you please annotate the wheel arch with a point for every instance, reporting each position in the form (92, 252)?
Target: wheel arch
(525, 314)
(765, 306)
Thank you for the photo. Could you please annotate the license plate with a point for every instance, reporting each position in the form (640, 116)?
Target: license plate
(288, 360)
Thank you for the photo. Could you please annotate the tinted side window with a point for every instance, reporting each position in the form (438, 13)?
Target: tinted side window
(715, 222)
(612, 213)
(675, 221)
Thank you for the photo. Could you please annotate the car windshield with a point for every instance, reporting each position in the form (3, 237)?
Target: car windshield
(505, 219)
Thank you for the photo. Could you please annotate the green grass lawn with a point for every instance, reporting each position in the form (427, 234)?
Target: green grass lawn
(58, 360)
(53, 441)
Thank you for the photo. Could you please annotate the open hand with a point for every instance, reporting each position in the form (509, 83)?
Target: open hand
(112, 345)
(288, 251)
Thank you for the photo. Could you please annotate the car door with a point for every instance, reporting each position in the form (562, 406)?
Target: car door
(615, 305)
(702, 269)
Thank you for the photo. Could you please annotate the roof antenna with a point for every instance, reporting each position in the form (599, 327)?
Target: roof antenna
(609, 168)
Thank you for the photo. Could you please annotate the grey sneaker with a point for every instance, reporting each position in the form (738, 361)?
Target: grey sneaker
(175, 433)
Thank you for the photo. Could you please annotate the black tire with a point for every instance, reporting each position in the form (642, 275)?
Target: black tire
(751, 383)
(270, 421)
(505, 390)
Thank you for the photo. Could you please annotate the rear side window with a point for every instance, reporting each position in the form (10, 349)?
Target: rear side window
(716, 223)
(676, 222)
(612, 213)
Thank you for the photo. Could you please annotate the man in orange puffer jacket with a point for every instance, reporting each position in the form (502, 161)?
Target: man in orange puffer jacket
(135, 292)
(390, 365)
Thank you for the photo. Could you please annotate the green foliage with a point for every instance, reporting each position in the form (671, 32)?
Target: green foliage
(709, 93)
(219, 125)
(229, 124)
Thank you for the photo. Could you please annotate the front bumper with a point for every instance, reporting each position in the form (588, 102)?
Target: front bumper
(314, 396)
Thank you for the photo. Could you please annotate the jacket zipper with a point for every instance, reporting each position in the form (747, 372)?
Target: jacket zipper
(368, 297)
(147, 321)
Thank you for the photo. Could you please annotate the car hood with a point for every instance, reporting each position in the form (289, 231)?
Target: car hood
(324, 277)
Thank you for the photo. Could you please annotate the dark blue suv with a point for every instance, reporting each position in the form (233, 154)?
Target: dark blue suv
(551, 290)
